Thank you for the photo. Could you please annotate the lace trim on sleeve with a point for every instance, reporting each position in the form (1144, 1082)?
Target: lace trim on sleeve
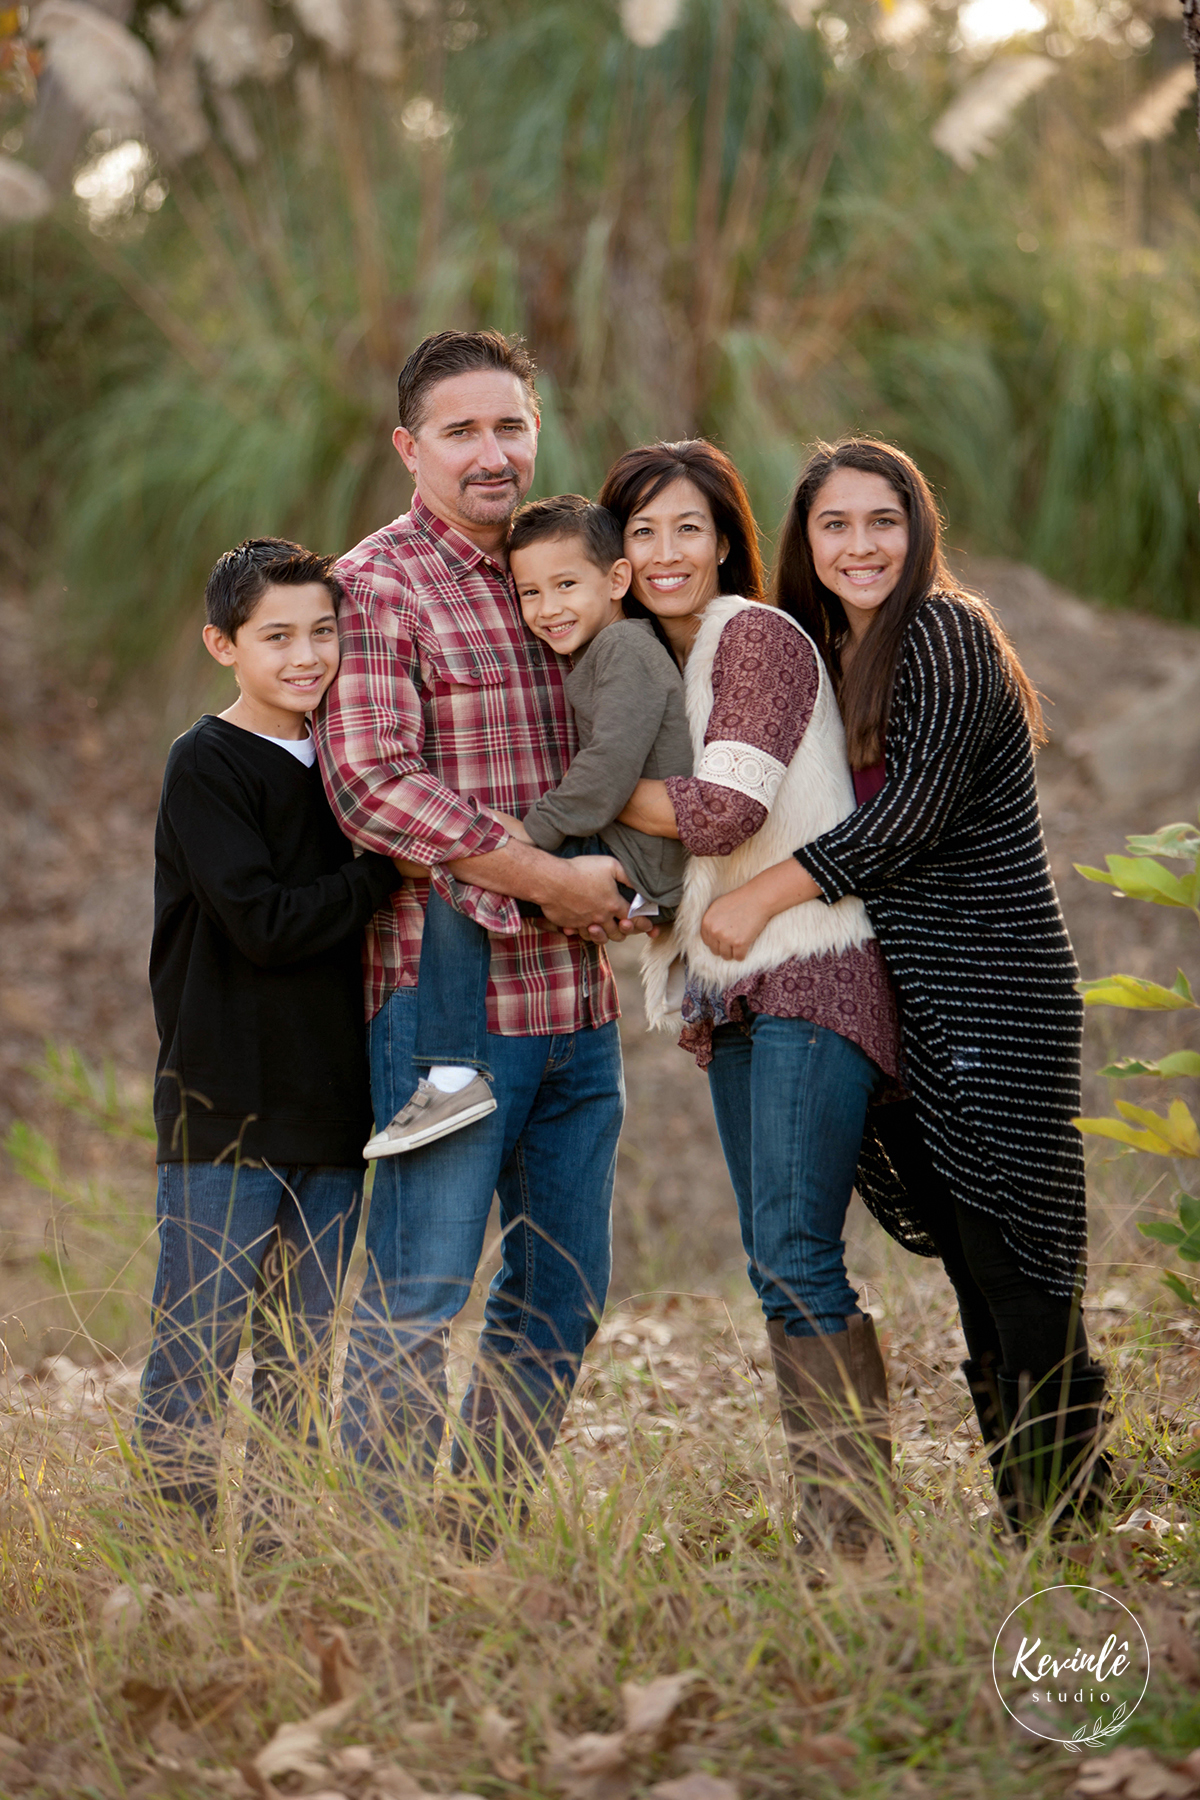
(741, 767)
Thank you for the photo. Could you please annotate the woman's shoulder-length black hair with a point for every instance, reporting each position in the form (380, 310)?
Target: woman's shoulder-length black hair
(640, 475)
(865, 692)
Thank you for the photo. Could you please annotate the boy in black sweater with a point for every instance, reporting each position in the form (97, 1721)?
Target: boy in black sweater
(261, 1096)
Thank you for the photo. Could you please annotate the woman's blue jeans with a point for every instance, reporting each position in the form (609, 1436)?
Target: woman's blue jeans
(791, 1101)
(232, 1240)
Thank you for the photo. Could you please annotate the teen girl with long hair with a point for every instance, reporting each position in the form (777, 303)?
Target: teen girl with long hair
(981, 1165)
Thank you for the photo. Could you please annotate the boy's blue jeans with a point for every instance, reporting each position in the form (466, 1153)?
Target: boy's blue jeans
(549, 1152)
(790, 1100)
(452, 980)
(276, 1240)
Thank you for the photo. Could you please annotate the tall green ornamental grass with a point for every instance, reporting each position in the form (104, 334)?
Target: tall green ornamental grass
(743, 229)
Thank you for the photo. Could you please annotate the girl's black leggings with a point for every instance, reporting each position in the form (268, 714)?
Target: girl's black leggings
(1004, 1311)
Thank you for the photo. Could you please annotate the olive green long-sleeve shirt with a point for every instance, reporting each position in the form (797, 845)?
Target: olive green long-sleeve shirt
(627, 696)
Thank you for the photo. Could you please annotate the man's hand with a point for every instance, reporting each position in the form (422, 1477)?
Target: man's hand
(578, 894)
(583, 897)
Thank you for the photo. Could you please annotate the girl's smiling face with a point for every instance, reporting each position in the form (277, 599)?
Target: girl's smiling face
(675, 550)
(858, 534)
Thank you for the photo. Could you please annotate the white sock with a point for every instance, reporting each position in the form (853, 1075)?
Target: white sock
(450, 1078)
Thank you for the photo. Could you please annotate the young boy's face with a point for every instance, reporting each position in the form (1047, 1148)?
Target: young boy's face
(565, 599)
(286, 654)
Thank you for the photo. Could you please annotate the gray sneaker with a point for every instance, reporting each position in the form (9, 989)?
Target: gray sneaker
(431, 1114)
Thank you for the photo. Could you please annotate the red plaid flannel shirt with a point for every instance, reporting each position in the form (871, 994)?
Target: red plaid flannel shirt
(444, 704)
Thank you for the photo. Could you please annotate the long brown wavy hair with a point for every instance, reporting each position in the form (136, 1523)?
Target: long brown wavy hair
(865, 691)
(641, 475)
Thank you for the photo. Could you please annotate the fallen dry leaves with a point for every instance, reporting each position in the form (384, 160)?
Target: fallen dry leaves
(597, 1765)
(127, 1605)
(694, 1787)
(1137, 1774)
(494, 1733)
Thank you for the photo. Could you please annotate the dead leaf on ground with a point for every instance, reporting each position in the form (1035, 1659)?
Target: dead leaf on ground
(593, 1766)
(695, 1787)
(296, 1747)
(649, 1708)
(1147, 1528)
(328, 1645)
(540, 1602)
(147, 1704)
(828, 1748)
(1133, 1774)
(1171, 1639)
(494, 1732)
(393, 1783)
(128, 1604)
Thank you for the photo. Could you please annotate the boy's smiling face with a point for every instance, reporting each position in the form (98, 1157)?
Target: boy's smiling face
(284, 657)
(565, 599)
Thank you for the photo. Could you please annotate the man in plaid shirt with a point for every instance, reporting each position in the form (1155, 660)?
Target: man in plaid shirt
(445, 705)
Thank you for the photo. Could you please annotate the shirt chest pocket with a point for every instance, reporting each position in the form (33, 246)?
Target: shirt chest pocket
(462, 648)
(465, 697)
(448, 669)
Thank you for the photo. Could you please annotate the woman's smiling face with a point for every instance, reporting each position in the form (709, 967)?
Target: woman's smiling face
(858, 534)
(675, 549)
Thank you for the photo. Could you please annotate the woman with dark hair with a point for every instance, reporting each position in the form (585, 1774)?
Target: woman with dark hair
(798, 1036)
(982, 1166)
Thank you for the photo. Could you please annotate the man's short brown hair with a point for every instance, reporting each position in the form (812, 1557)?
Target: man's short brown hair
(570, 516)
(449, 353)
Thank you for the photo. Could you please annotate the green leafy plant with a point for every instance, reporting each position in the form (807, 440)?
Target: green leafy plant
(1143, 876)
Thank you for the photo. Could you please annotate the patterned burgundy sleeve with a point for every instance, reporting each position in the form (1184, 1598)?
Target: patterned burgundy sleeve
(765, 681)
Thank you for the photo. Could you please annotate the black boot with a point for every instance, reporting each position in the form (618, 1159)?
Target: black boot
(984, 1386)
(1054, 1460)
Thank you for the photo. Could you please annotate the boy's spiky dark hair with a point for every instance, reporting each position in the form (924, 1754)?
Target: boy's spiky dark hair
(570, 516)
(242, 576)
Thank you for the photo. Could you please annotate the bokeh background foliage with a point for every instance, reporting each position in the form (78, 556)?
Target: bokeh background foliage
(727, 216)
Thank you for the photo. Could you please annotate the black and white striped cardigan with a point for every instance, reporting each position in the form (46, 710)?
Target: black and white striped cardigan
(950, 861)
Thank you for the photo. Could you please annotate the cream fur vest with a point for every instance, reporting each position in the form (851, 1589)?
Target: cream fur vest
(812, 794)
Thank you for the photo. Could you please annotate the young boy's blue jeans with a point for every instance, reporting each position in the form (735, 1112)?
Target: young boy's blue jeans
(790, 1100)
(452, 980)
(233, 1239)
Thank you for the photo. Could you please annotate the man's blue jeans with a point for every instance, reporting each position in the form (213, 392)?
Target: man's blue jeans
(791, 1101)
(232, 1238)
(549, 1151)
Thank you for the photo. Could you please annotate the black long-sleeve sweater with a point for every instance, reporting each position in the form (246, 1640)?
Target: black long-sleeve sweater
(255, 966)
(950, 862)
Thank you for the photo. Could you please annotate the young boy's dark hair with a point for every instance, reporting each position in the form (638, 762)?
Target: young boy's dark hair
(570, 516)
(242, 576)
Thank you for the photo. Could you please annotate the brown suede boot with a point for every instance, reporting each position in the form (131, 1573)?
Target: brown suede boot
(833, 1400)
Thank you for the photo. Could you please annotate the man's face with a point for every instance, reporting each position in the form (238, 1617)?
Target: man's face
(473, 454)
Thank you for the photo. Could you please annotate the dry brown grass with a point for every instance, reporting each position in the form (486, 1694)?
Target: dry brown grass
(137, 1658)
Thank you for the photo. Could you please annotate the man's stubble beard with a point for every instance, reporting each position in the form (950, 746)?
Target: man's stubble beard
(489, 512)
